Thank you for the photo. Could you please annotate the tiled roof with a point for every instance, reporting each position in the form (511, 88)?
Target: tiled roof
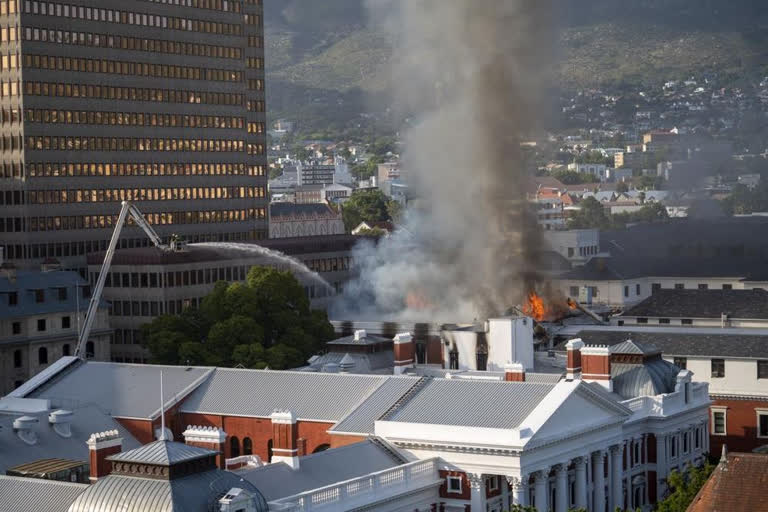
(472, 403)
(684, 344)
(311, 396)
(278, 481)
(18, 494)
(738, 483)
(362, 419)
(123, 390)
(747, 304)
(162, 453)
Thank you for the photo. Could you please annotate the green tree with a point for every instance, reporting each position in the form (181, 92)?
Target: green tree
(365, 205)
(591, 215)
(684, 488)
(574, 178)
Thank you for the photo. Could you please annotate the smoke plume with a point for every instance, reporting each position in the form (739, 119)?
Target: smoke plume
(471, 73)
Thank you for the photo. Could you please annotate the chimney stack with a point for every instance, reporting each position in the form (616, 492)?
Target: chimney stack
(285, 446)
(573, 366)
(210, 438)
(514, 372)
(404, 352)
(101, 446)
(596, 365)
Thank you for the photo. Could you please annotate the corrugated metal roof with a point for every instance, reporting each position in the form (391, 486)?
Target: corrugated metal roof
(18, 494)
(648, 379)
(630, 347)
(311, 396)
(193, 493)
(162, 453)
(278, 481)
(125, 390)
(46, 466)
(473, 403)
(362, 419)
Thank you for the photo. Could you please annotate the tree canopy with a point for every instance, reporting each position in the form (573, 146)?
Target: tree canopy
(367, 206)
(593, 215)
(265, 321)
(684, 487)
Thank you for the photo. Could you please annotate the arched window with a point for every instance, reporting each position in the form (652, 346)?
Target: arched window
(17, 358)
(247, 446)
(42, 355)
(321, 448)
(90, 350)
(65, 350)
(234, 447)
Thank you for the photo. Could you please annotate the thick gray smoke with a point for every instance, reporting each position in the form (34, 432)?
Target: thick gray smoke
(471, 71)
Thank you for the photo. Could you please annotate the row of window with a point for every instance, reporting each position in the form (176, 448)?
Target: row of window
(717, 367)
(131, 144)
(8, 7)
(42, 353)
(63, 223)
(134, 119)
(107, 92)
(49, 35)
(121, 67)
(720, 424)
(67, 249)
(60, 293)
(129, 18)
(681, 286)
(141, 194)
(689, 439)
(142, 169)
(217, 5)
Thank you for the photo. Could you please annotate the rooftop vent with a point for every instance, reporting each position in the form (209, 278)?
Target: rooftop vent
(330, 368)
(360, 335)
(61, 421)
(23, 428)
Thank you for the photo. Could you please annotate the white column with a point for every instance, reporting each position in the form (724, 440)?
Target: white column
(616, 477)
(598, 461)
(581, 482)
(477, 483)
(541, 489)
(561, 487)
(519, 490)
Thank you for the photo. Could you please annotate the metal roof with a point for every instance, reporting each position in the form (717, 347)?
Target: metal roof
(86, 420)
(362, 419)
(46, 466)
(376, 362)
(25, 284)
(472, 403)
(630, 347)
(320, 469)
(162, 453)
(752, 304)
(648, 379)
(124, 390)
(19, 494)
(311, 396)
(194, 493)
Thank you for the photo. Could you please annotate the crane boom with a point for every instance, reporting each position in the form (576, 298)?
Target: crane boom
(127, 209)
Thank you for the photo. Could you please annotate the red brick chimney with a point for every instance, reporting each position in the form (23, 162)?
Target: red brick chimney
(514, 372)
(404, 352)
(596, 365)
(210, 438)
(573, 366)
(101, 446)
(285, 447)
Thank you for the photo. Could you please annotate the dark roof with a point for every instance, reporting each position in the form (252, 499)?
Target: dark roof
(751, 304)
(194, 254)
(737, 483)
(630, 347)
(620, 266)
(684, 344)
(25, 283)
(162, 453)
(295, 210)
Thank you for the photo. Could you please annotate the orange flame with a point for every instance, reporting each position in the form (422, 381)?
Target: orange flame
(418, 301)
(543, 310)
(535, 307)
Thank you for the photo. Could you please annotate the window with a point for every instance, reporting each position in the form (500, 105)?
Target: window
(16, 328)
(679, 286)
(454, 484)
(90, 350)
(655, 287)
(762, 369)
(718, 368)
(41, 324)
(727, 287)
(492, 483)
(42, 355)
(454, 360)
(673, 447)
(637, 289)
(626, 291)
(13, 299)
(762, 422)
(686, 321)
(247, 446)
(62, 293)
(17, 358)
(718, 422)
(685, 441)
(663, 320)
(574, 291)
(642, 320)
(234, 447)
(65, 350)
(697, 438)
(39, 296)
(703, 287)
(66, 322)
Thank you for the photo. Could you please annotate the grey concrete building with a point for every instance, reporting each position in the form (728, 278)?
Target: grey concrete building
(160, 102)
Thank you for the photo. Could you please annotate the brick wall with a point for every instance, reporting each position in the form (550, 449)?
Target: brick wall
(466, 491)
(740, 426)
(338, 440)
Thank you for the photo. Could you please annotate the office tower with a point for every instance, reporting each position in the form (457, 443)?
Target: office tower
(160, 102)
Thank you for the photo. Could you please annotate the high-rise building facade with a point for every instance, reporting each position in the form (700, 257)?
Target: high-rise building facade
(160, 102)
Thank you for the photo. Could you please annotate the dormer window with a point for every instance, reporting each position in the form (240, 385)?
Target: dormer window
(453, 484)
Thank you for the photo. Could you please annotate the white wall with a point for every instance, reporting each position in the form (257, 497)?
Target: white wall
(740, 376)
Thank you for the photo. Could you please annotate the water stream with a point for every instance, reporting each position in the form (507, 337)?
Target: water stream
(297, 266)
